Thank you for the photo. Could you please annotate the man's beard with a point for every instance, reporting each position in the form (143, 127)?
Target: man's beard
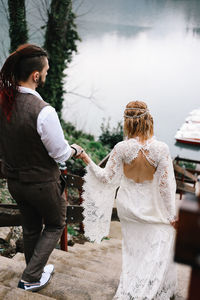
(40, 82)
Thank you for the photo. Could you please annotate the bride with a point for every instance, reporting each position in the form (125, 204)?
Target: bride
(141, 167)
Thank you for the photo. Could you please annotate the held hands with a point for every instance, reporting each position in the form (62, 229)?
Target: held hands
(77, 150)
(80, 153)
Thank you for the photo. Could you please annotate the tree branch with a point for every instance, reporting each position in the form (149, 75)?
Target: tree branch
(91, 98)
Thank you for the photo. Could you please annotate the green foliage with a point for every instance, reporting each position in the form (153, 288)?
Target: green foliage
(18, 26)
(94, 149)
(187, 165)
(60, 42)
(72, 230)
(5, 196)
(110, 137)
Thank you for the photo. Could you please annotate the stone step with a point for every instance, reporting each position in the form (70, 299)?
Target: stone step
(110, 266)
(105, 245)
(10, 272)
(87, 249)
(88, 271)
(109, 255)
(91, 253)
(7, 293)
(82, 267)
(92, 259)
(88, 275)
(67, 287)
(93, 269)
(19, 257)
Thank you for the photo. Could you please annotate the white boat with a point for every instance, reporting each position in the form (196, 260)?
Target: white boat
(194, 116)
(189, 132)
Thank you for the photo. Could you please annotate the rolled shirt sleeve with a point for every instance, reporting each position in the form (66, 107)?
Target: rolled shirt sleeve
(51, 133)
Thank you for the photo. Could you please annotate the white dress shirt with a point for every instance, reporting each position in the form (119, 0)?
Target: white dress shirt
(50, 130)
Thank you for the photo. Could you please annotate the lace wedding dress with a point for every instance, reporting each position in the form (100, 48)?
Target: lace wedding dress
(145, 208)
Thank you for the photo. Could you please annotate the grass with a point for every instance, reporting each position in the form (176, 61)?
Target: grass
(5, 196)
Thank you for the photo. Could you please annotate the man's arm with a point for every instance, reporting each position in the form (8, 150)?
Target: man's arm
(52, 136)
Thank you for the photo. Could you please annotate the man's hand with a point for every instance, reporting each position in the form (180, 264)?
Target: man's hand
(77, 150)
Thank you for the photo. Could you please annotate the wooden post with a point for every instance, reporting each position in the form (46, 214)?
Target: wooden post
(187, 250)
(181, 193)
(64, 239)
(194, 289)
(81, 226)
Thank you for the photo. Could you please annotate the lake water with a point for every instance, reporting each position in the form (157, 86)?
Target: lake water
(145, 50)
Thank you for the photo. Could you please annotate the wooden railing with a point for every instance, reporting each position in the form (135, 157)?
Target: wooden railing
(10, 215)
(186, 178)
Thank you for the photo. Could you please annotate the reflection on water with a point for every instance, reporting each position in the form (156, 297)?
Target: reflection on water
(187, 150)
(136, 50)
(187, 146)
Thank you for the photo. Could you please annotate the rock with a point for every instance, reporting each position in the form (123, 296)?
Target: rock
(4, 231)
(10, 272)
(115, 230)
(18, 294)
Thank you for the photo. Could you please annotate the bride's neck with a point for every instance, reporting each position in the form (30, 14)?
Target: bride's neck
(140, 138)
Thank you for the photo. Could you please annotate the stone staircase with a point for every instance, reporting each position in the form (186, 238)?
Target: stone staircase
(85, 272)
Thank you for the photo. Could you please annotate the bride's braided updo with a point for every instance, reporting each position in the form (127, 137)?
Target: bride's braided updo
(138, 122)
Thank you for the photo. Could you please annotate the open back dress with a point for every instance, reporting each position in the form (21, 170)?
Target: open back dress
(146, 205)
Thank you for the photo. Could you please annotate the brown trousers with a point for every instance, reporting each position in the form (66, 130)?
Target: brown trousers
(43, 211)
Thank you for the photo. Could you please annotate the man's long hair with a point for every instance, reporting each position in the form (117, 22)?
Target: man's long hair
(18, 67)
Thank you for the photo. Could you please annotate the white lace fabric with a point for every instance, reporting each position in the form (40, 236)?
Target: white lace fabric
(145, 210)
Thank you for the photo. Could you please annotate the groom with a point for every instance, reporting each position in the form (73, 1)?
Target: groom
(31, 144)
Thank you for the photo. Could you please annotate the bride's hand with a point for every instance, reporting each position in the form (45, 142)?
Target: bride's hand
(84, 157)
(174, 224)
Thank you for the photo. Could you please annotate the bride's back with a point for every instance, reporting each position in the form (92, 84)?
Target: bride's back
(140, 169)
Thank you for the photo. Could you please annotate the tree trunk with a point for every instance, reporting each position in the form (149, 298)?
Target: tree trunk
(60, 43)
(18, 26)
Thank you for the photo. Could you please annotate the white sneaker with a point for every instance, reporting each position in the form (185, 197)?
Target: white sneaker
(49, 269)
(44, 280)
(35, 286)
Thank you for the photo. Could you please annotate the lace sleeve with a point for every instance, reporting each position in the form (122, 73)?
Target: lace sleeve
(167, 184)
(98, 194)
(111, 172)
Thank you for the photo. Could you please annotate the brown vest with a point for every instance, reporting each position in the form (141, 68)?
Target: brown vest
(24, 156)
